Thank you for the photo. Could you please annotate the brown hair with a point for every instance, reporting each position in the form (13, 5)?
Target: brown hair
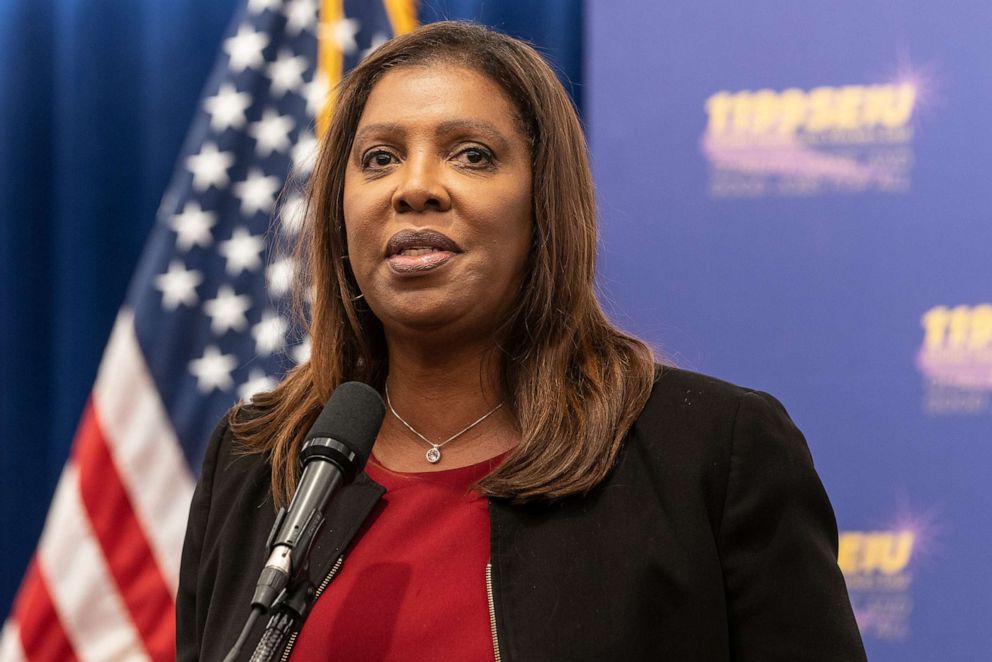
(574, 381)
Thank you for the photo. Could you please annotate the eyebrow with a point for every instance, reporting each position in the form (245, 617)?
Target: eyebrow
(444, 128)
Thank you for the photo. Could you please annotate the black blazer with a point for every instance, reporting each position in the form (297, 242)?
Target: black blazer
(712, 539)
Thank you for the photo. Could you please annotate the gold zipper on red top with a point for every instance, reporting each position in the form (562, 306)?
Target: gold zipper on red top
(320, 589)
(492, 609)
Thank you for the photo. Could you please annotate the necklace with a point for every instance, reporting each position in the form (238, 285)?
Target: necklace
(434, 452)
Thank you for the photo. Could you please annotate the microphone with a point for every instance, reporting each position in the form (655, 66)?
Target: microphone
(334, 452)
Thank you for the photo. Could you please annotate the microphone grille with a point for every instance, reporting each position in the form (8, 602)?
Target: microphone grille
(352, 416)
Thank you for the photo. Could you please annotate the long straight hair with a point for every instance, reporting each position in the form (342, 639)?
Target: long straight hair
(574, 381)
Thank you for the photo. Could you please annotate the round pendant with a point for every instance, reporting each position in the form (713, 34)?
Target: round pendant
(434, 455)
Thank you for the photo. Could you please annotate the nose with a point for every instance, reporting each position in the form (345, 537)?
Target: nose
(420, 187)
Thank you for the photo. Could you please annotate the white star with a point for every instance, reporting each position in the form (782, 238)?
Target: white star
(227, 311)
(178, 285)
(280, 276)
(378, 39)
(300, 15)
(271, 133)
(192, 226)
(317, 92)
(245, 48)
(305, 153)
(342, 34)
(259, 6)
(213, 370)
(210, 167)
(270, 333)
(292, 214)
(301, 353)
(257, 192)
(242, 251)
(286, 73)
(227, 108)
(258, 382)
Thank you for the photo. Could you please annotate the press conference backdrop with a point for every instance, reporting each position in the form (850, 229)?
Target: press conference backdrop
(792, 198)
(798, 197)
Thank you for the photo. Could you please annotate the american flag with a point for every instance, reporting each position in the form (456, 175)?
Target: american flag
(204, 325)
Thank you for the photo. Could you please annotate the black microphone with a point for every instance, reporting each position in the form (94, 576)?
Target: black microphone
(333, 453)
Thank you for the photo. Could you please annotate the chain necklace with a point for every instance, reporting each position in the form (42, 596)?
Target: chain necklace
(434, 452)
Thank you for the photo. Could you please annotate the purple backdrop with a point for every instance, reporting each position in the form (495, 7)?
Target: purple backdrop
(795, 198)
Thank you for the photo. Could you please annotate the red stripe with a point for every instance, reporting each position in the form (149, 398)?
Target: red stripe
(140, 583)
(43, 638)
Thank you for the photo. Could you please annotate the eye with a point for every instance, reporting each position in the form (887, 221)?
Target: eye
(475, 156)
(377, 159)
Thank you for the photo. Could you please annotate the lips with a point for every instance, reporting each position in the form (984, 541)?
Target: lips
(410, 252)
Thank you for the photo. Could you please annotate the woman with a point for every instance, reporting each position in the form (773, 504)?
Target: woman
(539, 490)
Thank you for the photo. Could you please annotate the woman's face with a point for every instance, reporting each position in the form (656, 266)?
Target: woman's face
(437, 202)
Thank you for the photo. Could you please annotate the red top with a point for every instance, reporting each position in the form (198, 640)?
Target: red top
(413, 584)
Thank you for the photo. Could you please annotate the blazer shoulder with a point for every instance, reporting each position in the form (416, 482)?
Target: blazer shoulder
(670, 377)
(677, 391)
(694, 418)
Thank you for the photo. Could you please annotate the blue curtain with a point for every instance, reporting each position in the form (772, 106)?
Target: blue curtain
(95, 100)
(554, 27)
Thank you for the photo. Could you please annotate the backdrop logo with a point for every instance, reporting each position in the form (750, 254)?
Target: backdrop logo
(877, 568)
(806, 142)
(955, 358)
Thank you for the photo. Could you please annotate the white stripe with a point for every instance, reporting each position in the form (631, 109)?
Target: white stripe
(10, 643)
(144, 446)
(83, 592)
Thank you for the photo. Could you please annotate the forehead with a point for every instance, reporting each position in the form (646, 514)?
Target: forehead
(436, 95)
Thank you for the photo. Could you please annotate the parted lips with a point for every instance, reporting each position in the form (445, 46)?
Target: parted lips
(410, 240)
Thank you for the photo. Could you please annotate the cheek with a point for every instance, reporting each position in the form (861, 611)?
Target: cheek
(509, 240)
(359, 230)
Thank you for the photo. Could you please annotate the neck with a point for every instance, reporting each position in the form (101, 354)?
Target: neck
(446, 385)
(439, 393)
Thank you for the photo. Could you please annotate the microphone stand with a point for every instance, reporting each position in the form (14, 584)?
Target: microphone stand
(290, 609)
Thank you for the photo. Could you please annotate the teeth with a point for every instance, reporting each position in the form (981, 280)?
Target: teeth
(418, 251)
